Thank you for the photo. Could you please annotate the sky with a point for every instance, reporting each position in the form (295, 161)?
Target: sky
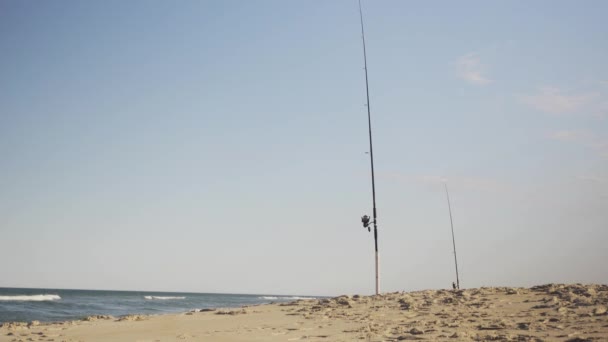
(220, 146)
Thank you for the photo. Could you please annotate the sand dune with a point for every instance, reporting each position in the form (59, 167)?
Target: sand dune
(541, 313)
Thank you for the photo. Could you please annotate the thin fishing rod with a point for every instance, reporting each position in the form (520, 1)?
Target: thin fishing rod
(371, 150)
(453, 240)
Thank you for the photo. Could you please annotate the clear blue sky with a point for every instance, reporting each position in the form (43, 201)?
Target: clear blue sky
(220, 146)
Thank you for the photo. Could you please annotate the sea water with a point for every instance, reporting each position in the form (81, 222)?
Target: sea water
(50, 305)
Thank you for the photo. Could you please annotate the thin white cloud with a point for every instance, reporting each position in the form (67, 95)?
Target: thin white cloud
(553, 100)
(470, 69)
(583, 138)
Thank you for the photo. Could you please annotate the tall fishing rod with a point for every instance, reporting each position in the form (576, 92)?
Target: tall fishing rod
(453, 240)
(365, 219)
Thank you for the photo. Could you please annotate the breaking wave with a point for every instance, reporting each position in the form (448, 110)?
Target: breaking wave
(30, 298)
(162, 298)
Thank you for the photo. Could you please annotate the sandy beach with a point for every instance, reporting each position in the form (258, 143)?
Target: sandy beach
(541, 313)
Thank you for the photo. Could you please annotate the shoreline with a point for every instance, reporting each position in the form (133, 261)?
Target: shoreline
(541, 313)
(56, 306)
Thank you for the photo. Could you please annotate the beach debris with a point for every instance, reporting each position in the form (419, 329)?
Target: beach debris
(599, 311)
(343, 300)
(13, 326)
(459, 334)
(512, 291)
(204, 310)
(94, 318)
(132, 318)
(231, 312)
(405, 304)
(416, 331)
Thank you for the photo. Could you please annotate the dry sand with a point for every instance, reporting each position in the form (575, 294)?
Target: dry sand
(541, 313)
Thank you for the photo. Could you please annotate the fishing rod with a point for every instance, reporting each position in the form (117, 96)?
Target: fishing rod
(366, 219)
(453, 240)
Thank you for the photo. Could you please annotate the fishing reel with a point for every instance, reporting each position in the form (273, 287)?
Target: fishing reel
(366, 221)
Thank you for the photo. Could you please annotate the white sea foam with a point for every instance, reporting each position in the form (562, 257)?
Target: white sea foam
(296, 298)
(162, 298)
(30, 298)
(268, 297)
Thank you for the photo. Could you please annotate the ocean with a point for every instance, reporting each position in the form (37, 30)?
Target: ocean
(52, 305)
